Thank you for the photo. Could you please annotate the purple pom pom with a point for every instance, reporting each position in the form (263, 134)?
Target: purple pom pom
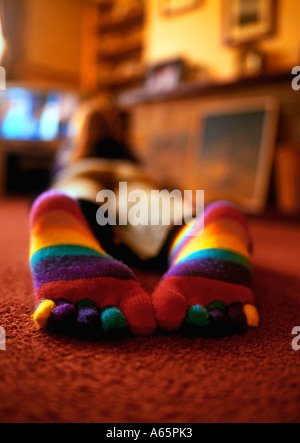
(89, 322)
(237, 317)
(63, 317)
(219, 322)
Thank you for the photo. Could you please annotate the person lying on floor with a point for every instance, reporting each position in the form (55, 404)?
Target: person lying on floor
(82, 284)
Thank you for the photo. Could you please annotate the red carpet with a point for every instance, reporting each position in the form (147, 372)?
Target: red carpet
(254, 378)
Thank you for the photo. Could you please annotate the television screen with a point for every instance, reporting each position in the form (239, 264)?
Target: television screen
(27, 114)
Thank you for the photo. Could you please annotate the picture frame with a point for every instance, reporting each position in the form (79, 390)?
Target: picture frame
(173, 7)
(165, 76)
(248, 21)
(235, 150)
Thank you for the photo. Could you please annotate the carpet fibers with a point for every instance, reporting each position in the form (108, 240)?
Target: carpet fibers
(165, 378)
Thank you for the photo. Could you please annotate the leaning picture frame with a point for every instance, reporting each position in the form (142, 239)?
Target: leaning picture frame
(248, 21)
(165, 76)
(234, 151)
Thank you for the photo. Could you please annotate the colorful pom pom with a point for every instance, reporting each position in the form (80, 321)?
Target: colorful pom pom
(219, 321)
(113, 319)
(252, 316)
(43, 313)
(63, 317)
(197, 316)
(237, 317)
(217, 304)
(88, 321)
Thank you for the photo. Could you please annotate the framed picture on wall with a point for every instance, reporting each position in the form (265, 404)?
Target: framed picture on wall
(234, 151)
(247, 21)
(170, 7)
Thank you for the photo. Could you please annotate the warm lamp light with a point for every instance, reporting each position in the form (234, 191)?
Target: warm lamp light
(2, 42)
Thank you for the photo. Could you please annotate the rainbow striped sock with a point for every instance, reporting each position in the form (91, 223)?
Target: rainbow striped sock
(209, 283)
(77, 284)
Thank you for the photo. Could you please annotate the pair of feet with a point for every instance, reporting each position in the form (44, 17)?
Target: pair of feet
(80, 289)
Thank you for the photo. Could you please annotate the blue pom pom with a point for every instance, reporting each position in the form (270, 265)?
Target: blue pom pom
(113, 319)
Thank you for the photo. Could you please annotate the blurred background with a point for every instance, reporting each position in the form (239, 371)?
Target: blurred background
(203, 88)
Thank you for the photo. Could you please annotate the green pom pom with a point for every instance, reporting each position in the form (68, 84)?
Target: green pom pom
(112, 319)
(86, 302)
(217, 304)
(197, 316)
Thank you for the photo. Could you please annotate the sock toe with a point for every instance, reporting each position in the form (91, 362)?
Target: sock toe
(112, 319)
(197, 317)
(43, 313)
(251, 315)
(170, 307)
(63, 317)
(138, 311)
(219, 322)
(238, 319)
(88, 321)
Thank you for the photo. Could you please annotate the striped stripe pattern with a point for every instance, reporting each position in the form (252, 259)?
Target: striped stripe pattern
(208, 265)
(74, 276)
(221, 252)
(63, 249)
(226, 235)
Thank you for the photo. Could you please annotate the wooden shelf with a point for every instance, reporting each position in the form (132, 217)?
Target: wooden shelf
(113, 44)
(121, 82)
(194, 89)
(124, 37)
(121, 53)
(109, 24)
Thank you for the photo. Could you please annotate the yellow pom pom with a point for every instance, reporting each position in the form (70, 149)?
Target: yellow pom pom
(42, 314)
(252, 316)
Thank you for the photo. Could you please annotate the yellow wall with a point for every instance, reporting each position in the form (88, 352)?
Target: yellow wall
(196, 35)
